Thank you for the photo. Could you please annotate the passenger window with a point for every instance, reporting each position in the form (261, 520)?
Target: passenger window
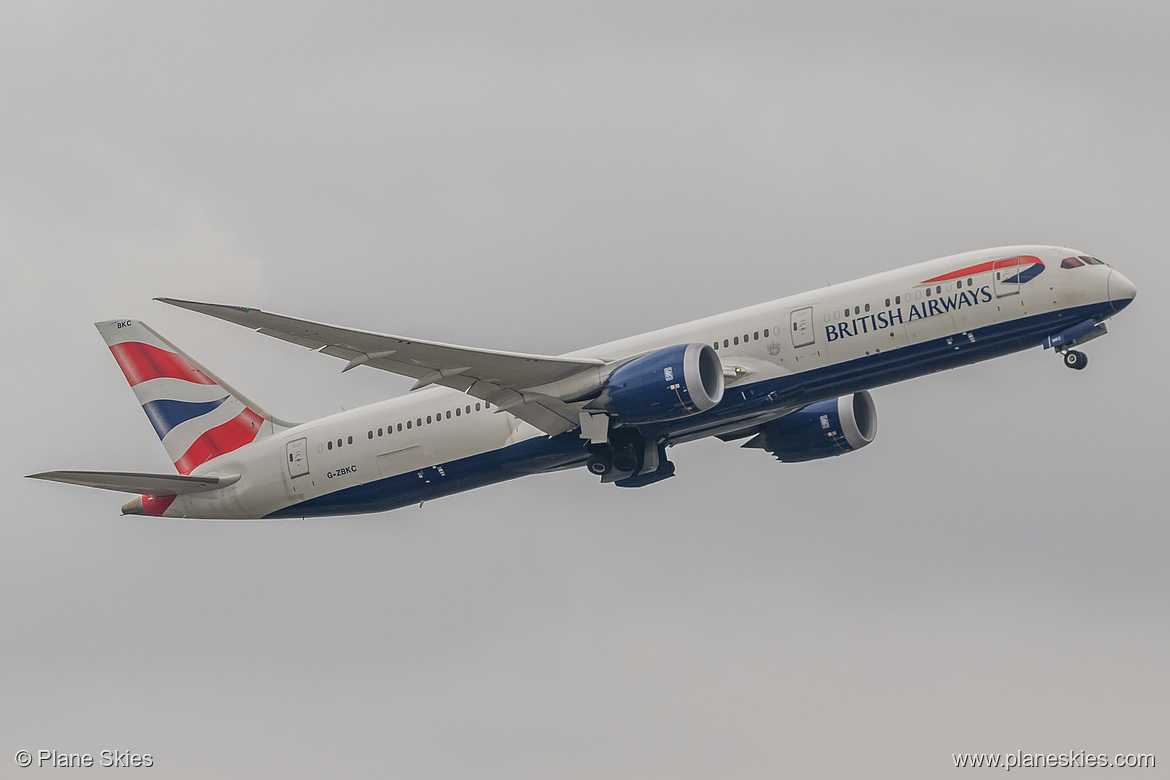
(379, 431)
(716, 345)
(897, 299)
(867, 307)
(428, 419)
(409, 424)
(724, 342)
(927, 292)
(765, 333)
(339, 442)
(938, 289)
(836, 315)
(350, 440)
(958, 284)
(370, 434)
(458, 411)
(331, 445)
(737, 339)
(968, 281)
(469, 408)
(418, 422)
(400, 426)
(477, 407)
(856, 310)
(448, 414)
(756, 336)
(887, 303)
(745, 338)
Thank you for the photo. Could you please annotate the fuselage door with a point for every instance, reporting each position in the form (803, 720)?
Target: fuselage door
(1004, 270)
(802, 327)
(298, 458)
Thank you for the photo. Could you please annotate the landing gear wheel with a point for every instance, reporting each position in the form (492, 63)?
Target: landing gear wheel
(1076, 360)
(599, 463)
(625, 457)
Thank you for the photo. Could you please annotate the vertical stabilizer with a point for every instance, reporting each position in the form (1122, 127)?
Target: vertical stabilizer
(196, 415)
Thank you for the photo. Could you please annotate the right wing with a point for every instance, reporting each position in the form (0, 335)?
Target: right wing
(534, 388)
(144, 484)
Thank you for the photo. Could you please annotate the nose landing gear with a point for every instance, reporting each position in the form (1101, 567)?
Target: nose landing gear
(1076, 360)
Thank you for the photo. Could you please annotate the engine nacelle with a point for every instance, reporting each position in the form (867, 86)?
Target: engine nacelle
(667, 384)
(821, 430)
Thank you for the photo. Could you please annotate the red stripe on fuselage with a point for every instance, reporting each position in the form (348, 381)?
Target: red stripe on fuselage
(142, 362)
(983, 267)
(229, 437)
(156, 505)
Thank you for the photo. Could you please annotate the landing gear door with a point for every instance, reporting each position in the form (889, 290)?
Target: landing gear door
(298, 458)
(802, 327)
(1004, 271)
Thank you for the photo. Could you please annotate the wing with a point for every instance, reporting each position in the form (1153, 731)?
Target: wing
(130, 482)
(531, 387)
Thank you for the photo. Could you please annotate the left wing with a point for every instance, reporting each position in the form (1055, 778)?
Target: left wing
(539, 389)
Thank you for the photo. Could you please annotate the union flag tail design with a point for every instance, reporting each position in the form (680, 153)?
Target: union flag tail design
(196, 415)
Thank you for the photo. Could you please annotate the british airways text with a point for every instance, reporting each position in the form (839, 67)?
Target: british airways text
(887, 319)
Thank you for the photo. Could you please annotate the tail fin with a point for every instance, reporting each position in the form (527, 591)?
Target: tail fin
(196, 415)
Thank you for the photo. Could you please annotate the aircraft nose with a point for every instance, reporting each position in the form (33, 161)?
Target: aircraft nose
(1121, 290)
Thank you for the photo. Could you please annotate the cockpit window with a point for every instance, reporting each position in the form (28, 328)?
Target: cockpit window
(1090, 260)
(1071, 262)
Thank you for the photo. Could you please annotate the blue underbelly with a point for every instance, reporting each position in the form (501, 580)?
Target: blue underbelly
(744, 402)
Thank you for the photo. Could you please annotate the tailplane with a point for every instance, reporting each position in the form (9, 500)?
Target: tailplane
(157, 491)
(136, 482)
(197, 416)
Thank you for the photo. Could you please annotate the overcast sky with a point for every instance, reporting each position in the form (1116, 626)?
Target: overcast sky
(990, 575)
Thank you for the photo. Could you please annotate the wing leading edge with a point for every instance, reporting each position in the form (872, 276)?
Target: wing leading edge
(539, 389)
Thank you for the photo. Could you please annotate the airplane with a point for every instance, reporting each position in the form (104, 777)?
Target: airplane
(791, 377)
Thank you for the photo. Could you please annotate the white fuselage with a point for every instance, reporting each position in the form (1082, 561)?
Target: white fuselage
(396, 451)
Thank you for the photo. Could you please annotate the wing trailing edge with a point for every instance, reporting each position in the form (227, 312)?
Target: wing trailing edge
(542, 390)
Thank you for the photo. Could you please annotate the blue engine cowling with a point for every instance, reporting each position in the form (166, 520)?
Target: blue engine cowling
(667, 384)
(821, 430)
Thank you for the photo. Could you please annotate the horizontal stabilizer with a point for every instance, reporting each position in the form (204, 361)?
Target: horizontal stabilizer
(143, 484)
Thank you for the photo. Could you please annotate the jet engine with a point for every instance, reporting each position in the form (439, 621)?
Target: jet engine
(666, 384)
(821, 430)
